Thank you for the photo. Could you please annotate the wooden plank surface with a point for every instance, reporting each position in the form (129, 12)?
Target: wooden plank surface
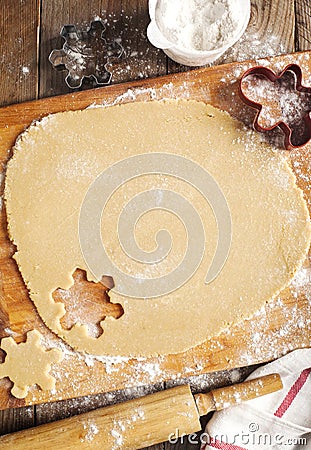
(303, 24)
(19, 44)
(275, 27)
(125, 21)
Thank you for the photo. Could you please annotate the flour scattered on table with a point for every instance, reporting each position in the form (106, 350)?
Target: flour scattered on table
(25, 70)
(253, 46)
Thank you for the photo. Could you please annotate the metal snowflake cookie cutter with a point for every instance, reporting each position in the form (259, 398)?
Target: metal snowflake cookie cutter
(85, 54)
(288, 97)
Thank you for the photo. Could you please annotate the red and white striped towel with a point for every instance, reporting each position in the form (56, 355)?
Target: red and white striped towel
(278, 421)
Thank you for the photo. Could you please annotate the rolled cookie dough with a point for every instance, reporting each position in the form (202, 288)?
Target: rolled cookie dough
(56, 161)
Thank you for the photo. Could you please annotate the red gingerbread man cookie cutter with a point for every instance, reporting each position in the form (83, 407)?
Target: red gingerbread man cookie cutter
(296, 125)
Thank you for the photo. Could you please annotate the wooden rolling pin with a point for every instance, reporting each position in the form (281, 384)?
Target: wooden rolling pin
(140, 422)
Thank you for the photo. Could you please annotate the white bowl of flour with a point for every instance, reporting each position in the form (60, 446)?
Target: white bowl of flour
(196, 32)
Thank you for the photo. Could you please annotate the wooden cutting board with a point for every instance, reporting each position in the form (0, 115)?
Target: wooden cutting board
(283, 325)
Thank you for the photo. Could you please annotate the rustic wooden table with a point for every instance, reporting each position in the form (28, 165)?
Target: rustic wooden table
(30, 30)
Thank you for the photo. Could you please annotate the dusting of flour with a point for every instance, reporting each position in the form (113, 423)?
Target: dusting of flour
(198, 24)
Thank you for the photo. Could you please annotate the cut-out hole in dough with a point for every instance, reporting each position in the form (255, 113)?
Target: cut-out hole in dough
(87, 303)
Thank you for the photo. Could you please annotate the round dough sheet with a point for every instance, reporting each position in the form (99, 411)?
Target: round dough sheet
(219, 183)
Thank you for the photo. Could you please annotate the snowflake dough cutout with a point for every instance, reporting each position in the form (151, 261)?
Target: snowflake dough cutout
(28, 363)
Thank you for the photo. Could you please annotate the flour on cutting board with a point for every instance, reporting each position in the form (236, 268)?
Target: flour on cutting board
(269, 343)
(167, 90)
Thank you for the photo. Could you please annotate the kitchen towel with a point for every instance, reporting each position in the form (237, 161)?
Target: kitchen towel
(278, 421)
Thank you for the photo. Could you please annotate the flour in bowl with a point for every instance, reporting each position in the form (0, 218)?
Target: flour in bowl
(199, 24)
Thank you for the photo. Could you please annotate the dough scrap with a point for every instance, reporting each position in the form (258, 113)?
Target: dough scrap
(55, 162)
(28, 363)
